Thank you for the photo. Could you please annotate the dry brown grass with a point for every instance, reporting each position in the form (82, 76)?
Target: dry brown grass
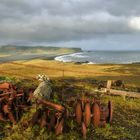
(130, 73)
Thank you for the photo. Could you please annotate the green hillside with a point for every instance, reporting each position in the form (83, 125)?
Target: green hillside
(12, 49)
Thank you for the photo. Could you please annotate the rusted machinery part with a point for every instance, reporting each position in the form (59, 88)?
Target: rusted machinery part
(84, 130)
(20, 91)
(59, 127)
(6, 109)
(58, 107)
(6, 93)
(52, 123)
(23, 107)
(10, 95)
(43, 120)
(78, 112)
(12, 118)
(103, 115)
(96, 115)
(82, 100)
(87, 114)
(5, 85)
(35, 117)
(58, 114)
(15, 96)
(30, 96)
(110, 115)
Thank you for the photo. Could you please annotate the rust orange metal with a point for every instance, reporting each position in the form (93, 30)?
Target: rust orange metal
(87, 114)
(84, 130)
(5, 86)
(6, 108)
(59, 127)
(14, 101)
(35, 117)
(78, 113)
(53, 105)
(43, 120)
(96, 115)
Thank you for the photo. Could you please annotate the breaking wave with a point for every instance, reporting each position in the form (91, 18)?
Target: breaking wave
(102, 57)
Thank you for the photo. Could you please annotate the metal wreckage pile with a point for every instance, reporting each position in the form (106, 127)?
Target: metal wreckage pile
(86, 111)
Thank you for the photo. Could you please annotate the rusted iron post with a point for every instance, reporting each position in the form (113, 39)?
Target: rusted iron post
(58, 107)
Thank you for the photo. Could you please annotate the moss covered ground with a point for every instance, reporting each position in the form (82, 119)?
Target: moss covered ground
(77, 80)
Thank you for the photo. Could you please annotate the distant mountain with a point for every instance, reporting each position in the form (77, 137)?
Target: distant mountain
(12, 49)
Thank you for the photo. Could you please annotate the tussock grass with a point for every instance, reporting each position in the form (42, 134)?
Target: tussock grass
(129, 73)
(76, 80)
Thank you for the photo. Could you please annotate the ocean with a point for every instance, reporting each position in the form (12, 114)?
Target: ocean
(102, 57)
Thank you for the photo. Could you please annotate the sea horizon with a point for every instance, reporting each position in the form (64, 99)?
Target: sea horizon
(102, 57)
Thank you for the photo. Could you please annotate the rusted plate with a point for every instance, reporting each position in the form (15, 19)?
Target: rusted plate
(110, 115)
(103, 112)
(87, 114)
(59, 128)
(84, 130)
(96, 115)
(78, 113)
(5, 85)
(103, 115)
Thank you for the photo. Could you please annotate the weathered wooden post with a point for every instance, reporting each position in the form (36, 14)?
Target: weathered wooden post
(108, 87)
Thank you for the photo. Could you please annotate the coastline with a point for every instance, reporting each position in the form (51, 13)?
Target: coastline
(10, 53)
(98, 57)
(75, 56)
(18, 57)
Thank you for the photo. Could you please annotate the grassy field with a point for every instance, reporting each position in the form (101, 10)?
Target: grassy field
(129, 73)
(78, 78)
(15, 50)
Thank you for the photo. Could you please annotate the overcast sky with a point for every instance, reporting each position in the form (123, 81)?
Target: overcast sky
(90, 24)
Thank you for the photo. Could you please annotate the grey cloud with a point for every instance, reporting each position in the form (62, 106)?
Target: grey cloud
(65, 20)
(57, 28)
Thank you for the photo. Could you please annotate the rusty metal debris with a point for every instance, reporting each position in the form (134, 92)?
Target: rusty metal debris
(87, 114)
(96, 115)
(84, 130)
(78, 112)
(86, 111)
(12, 102)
